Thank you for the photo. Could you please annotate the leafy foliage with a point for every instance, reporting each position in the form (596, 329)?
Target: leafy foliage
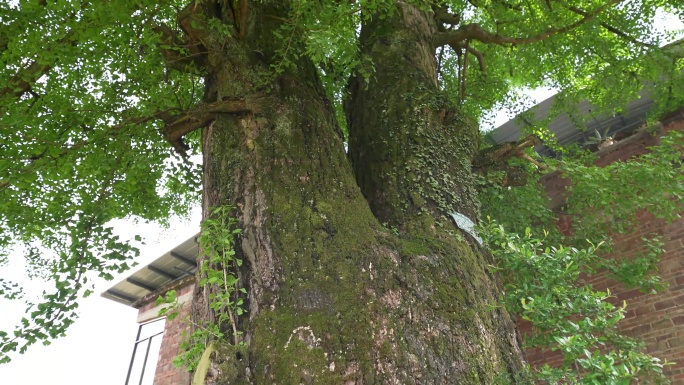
(76, 148)
(517, 207)
(568, 61)
(600, 200)
(218, 271)
(543, 282)
(561, 45)
(608, 198)
(543, 286)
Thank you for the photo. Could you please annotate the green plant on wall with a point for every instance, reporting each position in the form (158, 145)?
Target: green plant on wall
(542, 286)
(218, 269)
(542, 278)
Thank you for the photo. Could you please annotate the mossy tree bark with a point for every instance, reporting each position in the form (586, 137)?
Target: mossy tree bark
(410, 148)
(411, 151)
(333, 297)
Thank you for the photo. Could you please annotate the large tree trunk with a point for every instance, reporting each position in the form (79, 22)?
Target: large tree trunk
(333, 297)
(411, 152)
(409, 146)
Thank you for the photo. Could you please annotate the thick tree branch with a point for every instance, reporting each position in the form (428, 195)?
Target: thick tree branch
(474, 31)
(469, 49)
(501, 153)
(199, 116)
(442, 15)
(21, 82)
(183, 56)
(238, 10)
(202, 115)
(458, 47)
(494, 159)
(480, 58)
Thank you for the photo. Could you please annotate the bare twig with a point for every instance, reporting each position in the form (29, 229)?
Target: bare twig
(533, 161)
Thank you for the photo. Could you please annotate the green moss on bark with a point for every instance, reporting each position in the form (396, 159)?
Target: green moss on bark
(409, 146)
(333, 296)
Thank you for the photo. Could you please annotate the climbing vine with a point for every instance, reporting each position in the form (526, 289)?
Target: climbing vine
(219, 276)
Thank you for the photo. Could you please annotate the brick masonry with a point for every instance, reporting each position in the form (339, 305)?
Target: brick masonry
(655, 319)
(166, 373)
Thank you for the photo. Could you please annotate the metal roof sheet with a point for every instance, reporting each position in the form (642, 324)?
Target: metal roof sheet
(566, 130)
(175, 264)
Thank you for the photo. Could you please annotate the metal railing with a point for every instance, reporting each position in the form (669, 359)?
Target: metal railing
(138, 342)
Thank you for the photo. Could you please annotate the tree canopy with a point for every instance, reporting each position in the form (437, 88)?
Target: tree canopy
(100, 102)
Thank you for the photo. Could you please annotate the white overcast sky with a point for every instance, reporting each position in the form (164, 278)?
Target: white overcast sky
(97, 348)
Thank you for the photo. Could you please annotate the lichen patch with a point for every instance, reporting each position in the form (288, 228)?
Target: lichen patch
(306, 335)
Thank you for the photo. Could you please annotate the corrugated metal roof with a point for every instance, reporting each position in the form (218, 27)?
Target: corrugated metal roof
(173, 265)
(566, 130)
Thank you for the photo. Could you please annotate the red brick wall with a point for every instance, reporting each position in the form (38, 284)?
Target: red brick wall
(166, 373)
(656, 319)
